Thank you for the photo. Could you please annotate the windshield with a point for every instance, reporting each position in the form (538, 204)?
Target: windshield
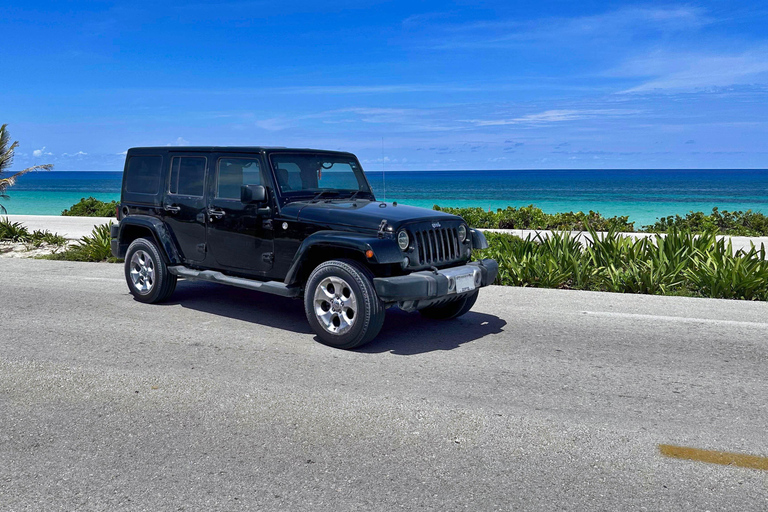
(318, 175)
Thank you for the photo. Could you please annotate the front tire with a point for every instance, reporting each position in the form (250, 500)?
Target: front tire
(146, 272)
(453, 309)
(341, 304)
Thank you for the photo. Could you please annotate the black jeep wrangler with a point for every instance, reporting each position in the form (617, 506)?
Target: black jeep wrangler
(297, 223)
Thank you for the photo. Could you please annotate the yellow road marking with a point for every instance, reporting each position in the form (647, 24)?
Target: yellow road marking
(715, 457)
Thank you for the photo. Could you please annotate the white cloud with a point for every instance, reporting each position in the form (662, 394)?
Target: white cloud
(379, 89)
(274, 124)
(555, 116)
(79, 153)
(40, 152)
(686, 71)
(122, 153)
(622, 23)
(180, 141)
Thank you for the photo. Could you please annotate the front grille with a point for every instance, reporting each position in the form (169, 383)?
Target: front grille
(437, 246)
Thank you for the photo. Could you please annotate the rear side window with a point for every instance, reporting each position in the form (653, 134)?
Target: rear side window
(187, 175)
(233, 173)
(143, 174)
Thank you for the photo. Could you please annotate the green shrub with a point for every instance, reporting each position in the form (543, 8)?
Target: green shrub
(93, 247)
(723, 222)
(91, 207)
(39, 238)
(13, 231)
(531, 217)
(16, 232)
(679, 263)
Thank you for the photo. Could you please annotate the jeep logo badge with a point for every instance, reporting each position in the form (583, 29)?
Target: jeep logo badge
(435, 224)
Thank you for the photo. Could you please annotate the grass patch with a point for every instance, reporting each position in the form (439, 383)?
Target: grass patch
(94, 247)
(681, 263)
(15, 232)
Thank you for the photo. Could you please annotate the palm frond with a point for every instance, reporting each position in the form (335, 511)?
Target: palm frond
(10, 180)
(6, 151)
(6, 158)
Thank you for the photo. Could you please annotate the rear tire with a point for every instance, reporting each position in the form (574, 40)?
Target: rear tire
(451, 310)
(146, 272)
(341, 304)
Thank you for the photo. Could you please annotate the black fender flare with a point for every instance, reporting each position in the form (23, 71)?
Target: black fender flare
(385, 250)
(159, 231)
(478, 239)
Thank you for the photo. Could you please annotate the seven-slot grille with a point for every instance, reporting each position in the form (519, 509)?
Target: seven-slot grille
(437, 245)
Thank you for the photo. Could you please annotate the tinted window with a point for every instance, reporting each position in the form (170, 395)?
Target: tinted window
(233, 173)
(339, 175)
(288, 176)
(309, 173)
(143, 174)
(187, 175)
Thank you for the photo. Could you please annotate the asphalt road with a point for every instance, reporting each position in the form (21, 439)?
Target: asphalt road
(222, 400)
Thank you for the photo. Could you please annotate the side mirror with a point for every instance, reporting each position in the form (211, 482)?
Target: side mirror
(253, 194)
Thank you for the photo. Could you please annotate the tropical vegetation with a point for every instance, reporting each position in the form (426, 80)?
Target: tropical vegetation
(91, 207)
(7, 149)
(736, 223)
(16, 232)
(531, 217)
(93, 247)
(678, 263)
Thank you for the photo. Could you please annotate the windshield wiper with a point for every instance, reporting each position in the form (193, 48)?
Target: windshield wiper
(323, 192)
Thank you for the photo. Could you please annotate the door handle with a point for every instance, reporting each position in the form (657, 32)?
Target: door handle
(215, 214)
(172, 208)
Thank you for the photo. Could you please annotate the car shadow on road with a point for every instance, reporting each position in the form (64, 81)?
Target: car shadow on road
(410, 333)
(241, 304)
(403, 333)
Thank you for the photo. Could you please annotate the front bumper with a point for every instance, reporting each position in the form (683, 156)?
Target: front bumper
(429, 285)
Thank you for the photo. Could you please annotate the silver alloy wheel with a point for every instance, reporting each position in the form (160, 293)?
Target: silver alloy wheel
(335, 305)
(142, 272)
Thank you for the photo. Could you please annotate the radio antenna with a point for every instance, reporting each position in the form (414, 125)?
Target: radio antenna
(383, 171)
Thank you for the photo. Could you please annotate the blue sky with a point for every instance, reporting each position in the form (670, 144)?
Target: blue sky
(404, 85)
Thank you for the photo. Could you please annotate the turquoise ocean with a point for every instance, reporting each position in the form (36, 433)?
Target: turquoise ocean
(643, 195)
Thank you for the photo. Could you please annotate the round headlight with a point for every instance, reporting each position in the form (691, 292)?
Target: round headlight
(462, 233)
(402, 240)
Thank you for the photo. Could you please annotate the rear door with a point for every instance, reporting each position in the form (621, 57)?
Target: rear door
(239, 238)
(184, 204)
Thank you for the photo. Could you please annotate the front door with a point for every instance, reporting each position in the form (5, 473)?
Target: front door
(184, 205)
(239, 238)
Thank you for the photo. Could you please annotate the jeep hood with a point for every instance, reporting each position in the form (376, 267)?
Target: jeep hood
(362, 214)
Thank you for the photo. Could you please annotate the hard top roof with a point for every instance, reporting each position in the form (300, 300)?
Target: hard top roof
(231, 149)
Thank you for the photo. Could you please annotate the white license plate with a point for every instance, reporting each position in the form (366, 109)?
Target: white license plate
(465, 283)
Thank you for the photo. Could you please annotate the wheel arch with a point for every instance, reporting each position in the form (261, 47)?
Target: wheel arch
(334, 245)
(144, 226)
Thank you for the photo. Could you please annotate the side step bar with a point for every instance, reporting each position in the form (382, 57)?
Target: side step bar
(274, 287)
